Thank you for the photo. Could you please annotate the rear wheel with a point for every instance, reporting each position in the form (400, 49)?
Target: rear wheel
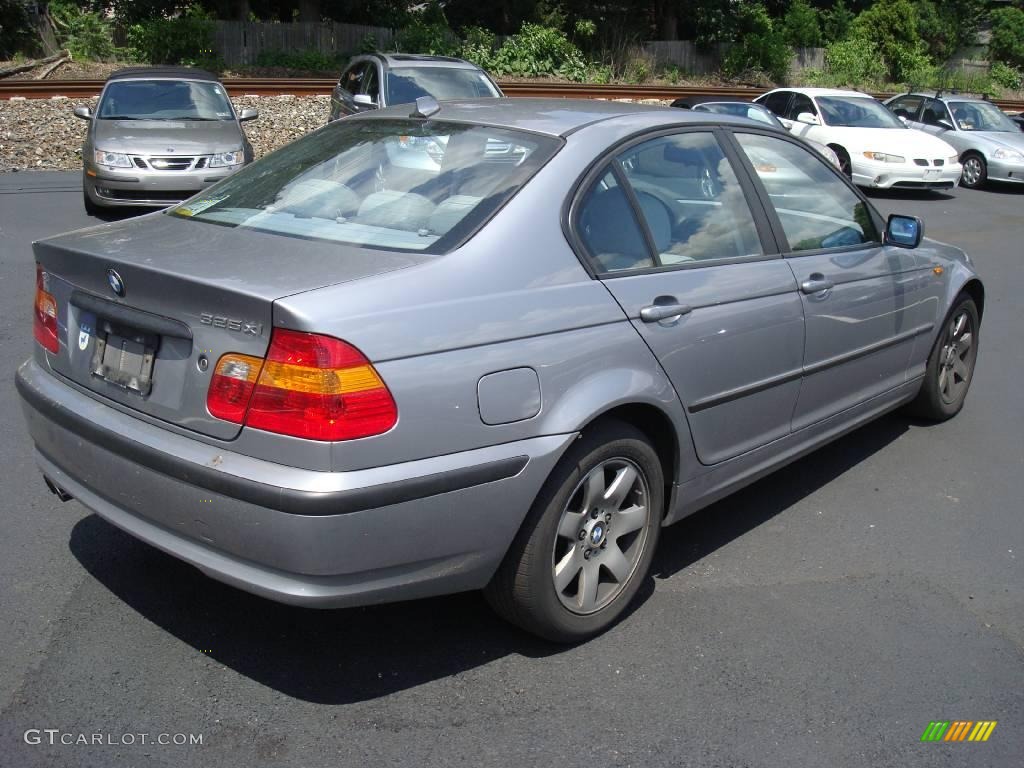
(950, 364)
(587, 543)
(975, 171)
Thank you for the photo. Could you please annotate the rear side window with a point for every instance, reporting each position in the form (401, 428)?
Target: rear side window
(690, 199)
(816, 208)
(397, 184)
(609, 230)
(906, 106)
(776, 102)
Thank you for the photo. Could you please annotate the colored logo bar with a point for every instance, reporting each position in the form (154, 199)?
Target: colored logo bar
(959, 730)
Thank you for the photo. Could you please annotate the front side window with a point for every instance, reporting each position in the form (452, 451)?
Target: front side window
(934, 112)
(906, 106)
(856, 112)
(406, 84)
(352, 79)
(980, 116)
(400, 184)
(371, 84)
(801, 104)
(816, 208)
(690, 199)
(164, 100)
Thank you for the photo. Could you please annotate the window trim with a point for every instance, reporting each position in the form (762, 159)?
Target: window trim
(608, 159)
(780, 233)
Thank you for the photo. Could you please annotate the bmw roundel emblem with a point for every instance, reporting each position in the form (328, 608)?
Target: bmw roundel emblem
(115, 282)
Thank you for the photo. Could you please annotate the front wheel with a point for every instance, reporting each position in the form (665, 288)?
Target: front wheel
(845, 164)
(951, 364)
(586, 545)
(975, 171)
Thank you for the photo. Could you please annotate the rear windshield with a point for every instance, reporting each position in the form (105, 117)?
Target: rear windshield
(164, 100)
(396, 184)
(406, 84)
(980, 116)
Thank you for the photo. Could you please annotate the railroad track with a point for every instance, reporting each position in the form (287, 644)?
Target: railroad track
(45, 89)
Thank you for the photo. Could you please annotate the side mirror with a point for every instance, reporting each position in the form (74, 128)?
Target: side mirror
(248, 114)
(83, 112)
(787, 124)
(944, 124)
(904, 231)
(364, 100)
(808, 118)
(903, 120)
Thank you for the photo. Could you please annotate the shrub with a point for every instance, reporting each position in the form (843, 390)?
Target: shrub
(424, 36)
(84, 34)
(1006, 76)
(835, 22)
(1007, 43)
(853, 62)
(368, 43)
(801, 26)
(536, 51)
(187, 39)
(760, 46)
(892, 25)
(478, 46)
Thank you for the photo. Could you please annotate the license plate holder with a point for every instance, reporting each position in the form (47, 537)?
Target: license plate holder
(124, 356)
(932, 173)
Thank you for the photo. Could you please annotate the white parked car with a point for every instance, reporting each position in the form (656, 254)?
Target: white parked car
(875, 148)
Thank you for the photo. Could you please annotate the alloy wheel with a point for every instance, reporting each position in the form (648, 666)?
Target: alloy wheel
(601, 536)
(955, 361)
(972, 171)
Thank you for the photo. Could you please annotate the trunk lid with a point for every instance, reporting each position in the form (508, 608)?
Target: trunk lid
(190, 290)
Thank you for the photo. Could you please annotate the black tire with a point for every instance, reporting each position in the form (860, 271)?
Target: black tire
(845, 165)
(946, 383)
(975, 172)
(90, 207)
(523, 589)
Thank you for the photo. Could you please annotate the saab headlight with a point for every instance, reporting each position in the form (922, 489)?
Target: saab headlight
(111, 159)
(882, 157)
(225, 159)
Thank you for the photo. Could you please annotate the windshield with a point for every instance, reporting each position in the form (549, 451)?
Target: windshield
(856, 112)
(164, 100)
(740, 109)
(397, 184)
(980, 116)
(406, 84)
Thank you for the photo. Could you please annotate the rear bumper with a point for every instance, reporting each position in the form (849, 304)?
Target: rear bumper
(322, 539)
(136, 187)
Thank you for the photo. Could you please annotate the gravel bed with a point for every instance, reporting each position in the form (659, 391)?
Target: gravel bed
(43, 134)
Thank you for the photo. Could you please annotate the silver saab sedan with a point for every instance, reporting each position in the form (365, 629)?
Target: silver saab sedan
(158, 136)
(386, 362)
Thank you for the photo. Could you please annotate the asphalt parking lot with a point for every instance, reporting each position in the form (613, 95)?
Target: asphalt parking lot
(821, 617)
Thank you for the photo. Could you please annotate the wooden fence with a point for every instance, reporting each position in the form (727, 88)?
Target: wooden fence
(691, 60)
(241, 42)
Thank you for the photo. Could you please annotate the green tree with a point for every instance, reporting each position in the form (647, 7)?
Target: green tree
(801, 25)
(893, 26)
(836, 22)
(1007, 43)
(759, 46)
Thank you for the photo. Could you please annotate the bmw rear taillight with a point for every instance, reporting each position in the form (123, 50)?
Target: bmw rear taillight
(44, 322)
(310, 386)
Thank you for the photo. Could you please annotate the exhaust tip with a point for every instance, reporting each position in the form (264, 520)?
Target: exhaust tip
(56, 490)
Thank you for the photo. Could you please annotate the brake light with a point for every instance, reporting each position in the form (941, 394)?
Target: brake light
(310, 386)
(44, 322)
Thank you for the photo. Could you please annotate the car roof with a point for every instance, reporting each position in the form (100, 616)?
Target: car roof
(555, 117)
(826, 92)
(162, 73)
(943, 96)
(422, 60)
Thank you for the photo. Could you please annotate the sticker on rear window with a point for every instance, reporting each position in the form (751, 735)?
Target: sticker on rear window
(198, 206)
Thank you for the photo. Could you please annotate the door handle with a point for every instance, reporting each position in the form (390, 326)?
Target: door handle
(816, 283)
(657, 312)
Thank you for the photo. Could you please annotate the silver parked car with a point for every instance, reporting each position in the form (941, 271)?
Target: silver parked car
(990, 145)
(159, 135)
(378, 80)
(371, 376)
